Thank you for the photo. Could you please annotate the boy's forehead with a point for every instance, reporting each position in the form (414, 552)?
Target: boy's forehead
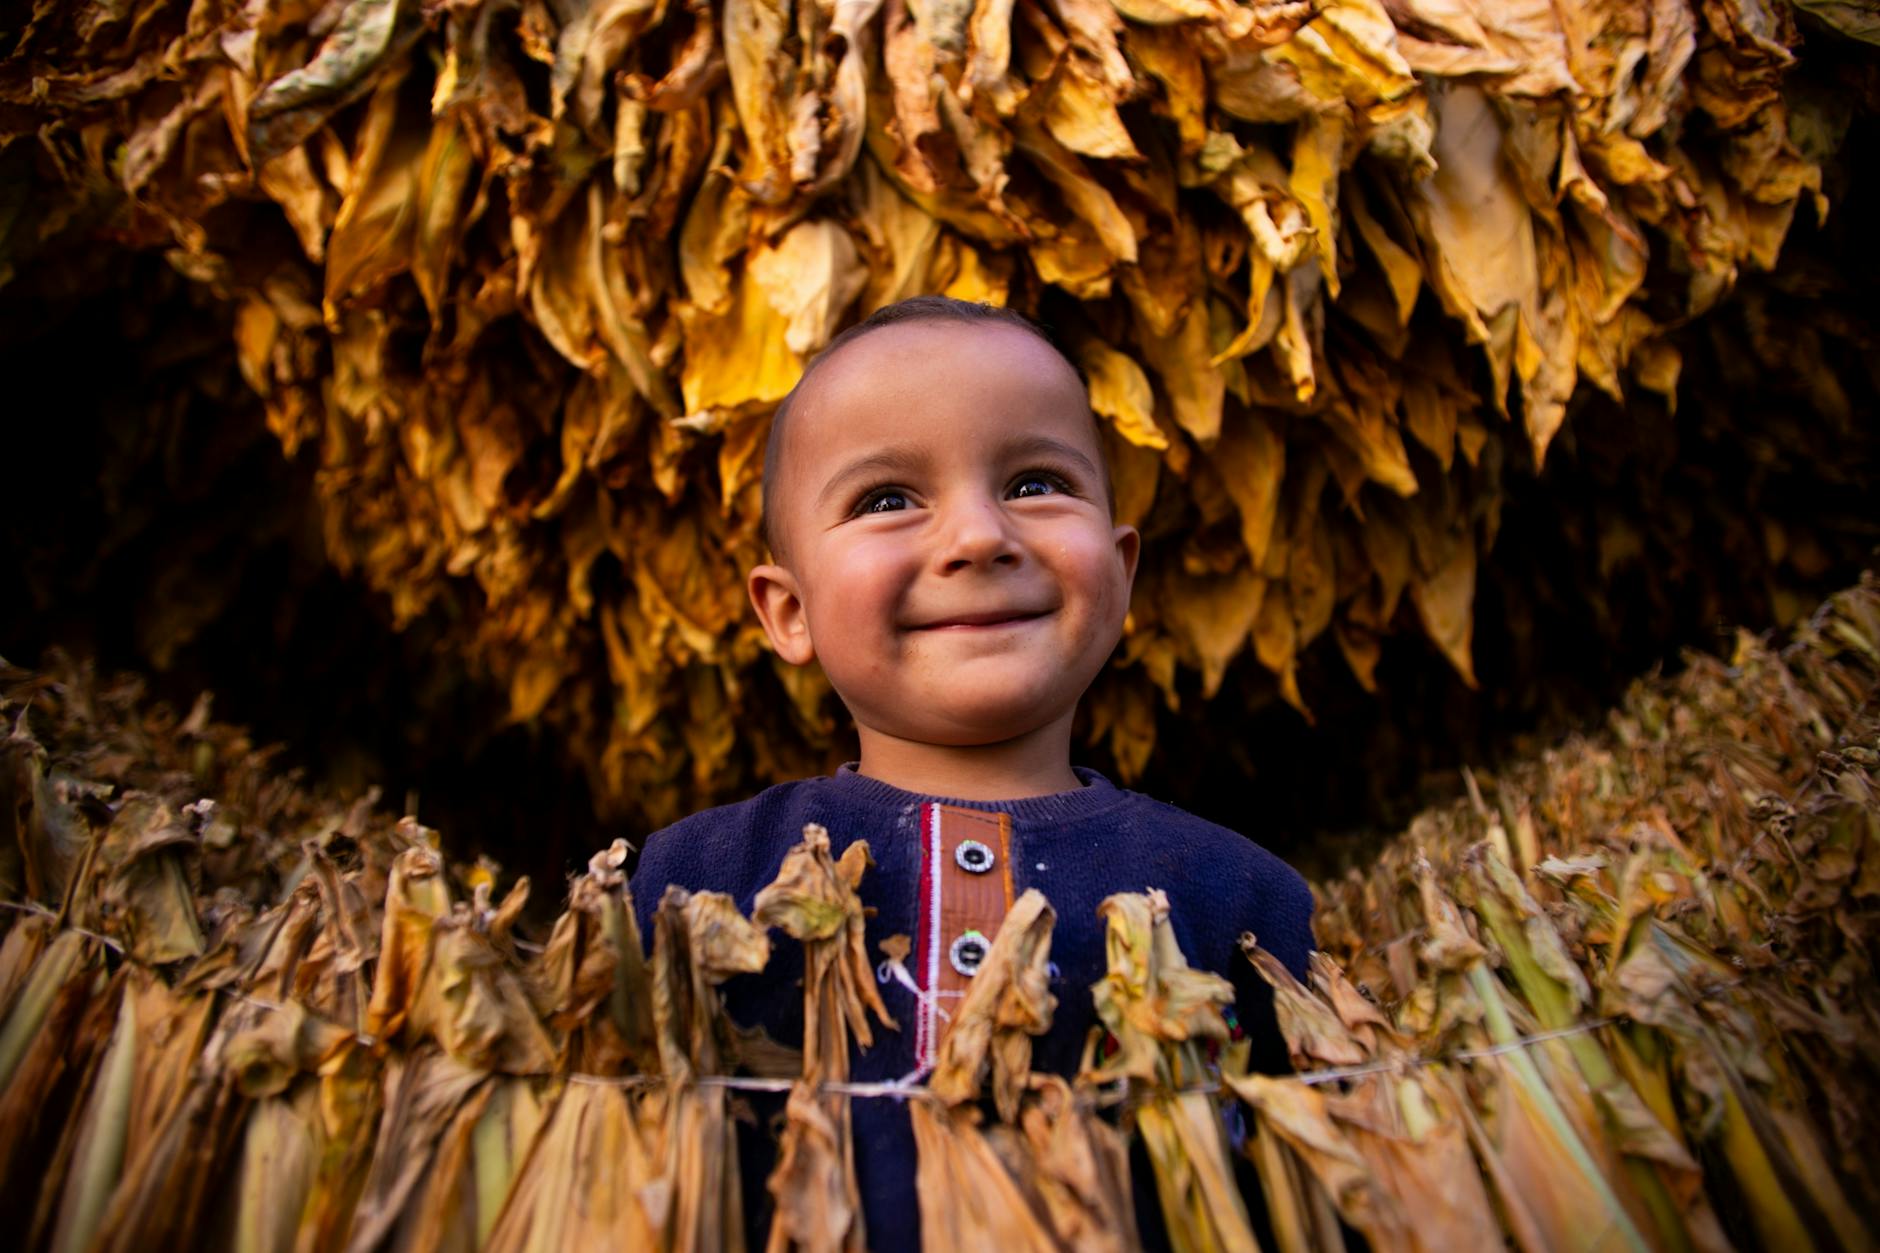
(923, 372)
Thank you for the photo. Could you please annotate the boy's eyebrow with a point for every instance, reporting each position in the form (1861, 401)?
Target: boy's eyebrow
(891, 461)
(1049, 445)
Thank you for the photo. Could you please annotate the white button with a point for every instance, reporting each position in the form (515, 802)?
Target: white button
(973, 857)
(967, 952)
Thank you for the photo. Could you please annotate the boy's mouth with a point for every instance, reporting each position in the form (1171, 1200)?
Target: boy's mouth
(973, 621)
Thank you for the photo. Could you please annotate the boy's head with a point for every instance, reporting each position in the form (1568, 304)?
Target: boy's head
(938, 510)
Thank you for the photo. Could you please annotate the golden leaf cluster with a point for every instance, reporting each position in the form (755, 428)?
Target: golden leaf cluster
(1620, 995)
(526, 280)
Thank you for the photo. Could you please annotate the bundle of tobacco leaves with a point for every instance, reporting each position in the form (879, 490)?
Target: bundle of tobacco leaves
(529, 278)
(813, 899)
(1159, 1013)
(1047, 1173)
(1617, 996)
(1681, 909)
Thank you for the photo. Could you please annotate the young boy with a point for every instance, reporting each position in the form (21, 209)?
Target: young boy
(938, 513)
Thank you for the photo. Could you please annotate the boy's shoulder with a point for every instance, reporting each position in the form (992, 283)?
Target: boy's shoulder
(776, 799)
(725, 848)
(1203, 864)
(1182, 834)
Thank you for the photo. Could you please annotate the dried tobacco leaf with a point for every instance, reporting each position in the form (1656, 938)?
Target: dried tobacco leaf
(1159, 1010)
(813, 899)
(593, 959)
(700, 941)
(1062, 1175)
(1008, 1003)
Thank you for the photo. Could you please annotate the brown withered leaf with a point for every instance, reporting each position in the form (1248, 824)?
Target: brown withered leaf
(1159, 1010)
(813, 899)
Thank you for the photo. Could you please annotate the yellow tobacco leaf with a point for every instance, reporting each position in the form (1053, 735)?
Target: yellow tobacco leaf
(1119, 391)
(1402, 271)
(1276, 640)
(1183, 363)
(1080, 112)
(145, 896)
(1158, 1009)
(374, 228)
(848, 95)
(760, 71)
(1299, 1116)
(1371, 433)
(1445, 600)
(715, 231)
(1080, 1166)
(738, 358)
(415, 898)
(96, 1134)
(443, 172)
(701, 940)
(1430, 417)
(1349, 52)
(1168, 55)
(968, 1199)
(1312, 578)
(1314, 1033)
(593, 970)
(1150, 996)
(1293, 341)
(293, 106)
(1523, 42)
(989, 48)
(810, 277)
(1086, 197)
(24, 961)
(425, 1094)
(595, 1177)
(1165, 12)
(273, 1173)
(1212, 616)
(1413, 1142)
(813, 899)
(289, 180)
(1318, 158)
(1480, 249)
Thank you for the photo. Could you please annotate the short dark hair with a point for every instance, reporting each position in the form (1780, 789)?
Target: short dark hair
(913, 309)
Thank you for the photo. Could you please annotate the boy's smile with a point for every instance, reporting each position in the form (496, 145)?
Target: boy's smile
(947, 552)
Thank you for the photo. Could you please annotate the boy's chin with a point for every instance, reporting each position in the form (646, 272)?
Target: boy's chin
(977, 723)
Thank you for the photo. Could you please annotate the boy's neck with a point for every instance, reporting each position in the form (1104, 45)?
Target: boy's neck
(1034, 764)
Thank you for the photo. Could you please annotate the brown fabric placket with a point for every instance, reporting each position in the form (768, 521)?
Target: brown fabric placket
(967, 900)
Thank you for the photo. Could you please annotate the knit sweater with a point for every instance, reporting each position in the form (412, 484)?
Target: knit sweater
(1076, 847)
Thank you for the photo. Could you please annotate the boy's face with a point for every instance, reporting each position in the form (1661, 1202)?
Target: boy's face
(948, 552)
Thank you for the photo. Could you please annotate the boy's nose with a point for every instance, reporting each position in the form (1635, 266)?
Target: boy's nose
(976, 534)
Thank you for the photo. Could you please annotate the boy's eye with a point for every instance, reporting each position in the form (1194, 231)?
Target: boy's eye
(1037, 485)
(883, 500)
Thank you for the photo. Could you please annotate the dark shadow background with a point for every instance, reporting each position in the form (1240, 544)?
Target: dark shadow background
(149, 520)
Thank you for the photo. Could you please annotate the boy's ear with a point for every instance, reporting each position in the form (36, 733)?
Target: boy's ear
(1129, 548)
(779, 603)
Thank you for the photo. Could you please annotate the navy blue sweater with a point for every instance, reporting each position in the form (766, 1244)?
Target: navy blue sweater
(1076, 847)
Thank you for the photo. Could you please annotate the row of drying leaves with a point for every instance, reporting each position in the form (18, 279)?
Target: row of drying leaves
(530, 277)
(1690, 898)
